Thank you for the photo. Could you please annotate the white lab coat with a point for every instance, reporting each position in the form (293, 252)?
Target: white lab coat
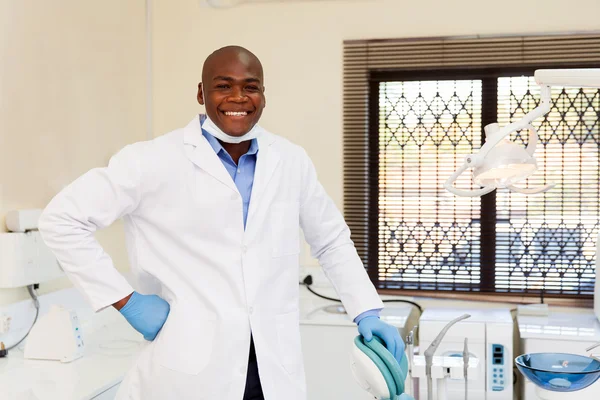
(186, 243)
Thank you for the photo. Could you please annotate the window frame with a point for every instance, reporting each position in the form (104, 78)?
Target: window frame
(489, 77)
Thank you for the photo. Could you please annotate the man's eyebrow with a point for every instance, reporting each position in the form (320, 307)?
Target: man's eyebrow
(230, 79)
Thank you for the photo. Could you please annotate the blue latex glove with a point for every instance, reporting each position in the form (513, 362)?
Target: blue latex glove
(372, 325)
(146, 313)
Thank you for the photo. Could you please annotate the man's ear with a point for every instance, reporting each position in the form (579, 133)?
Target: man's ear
(200, 95)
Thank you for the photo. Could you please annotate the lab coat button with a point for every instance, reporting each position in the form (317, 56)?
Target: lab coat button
(251, 309)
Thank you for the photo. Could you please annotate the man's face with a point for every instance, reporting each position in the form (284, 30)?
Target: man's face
(233, 93)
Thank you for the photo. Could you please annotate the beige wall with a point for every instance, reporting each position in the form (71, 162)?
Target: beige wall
(73, 76)
(300, 45)
(72, 92)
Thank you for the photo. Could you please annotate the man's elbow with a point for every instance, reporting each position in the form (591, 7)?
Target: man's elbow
(47, 223)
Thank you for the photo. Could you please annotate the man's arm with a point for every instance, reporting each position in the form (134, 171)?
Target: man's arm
(369, 313)
(329, 238)
(121, 303)
(69, 222)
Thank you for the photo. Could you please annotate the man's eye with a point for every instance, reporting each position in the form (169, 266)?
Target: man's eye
(223, 86)
(252, 88)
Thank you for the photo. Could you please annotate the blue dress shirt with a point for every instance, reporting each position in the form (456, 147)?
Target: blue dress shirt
(243, 177)
(242, 173)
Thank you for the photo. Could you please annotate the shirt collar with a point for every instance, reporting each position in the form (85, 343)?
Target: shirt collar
(218, 147)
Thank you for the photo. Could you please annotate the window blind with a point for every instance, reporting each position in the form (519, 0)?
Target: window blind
(408, 231)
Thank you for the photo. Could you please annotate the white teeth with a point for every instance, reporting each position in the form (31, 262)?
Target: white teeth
(236, 114)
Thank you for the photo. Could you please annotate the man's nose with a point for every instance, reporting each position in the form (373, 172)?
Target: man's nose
(238, 96)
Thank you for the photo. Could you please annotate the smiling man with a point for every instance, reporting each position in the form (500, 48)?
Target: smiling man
(212, 215)
(232, 80)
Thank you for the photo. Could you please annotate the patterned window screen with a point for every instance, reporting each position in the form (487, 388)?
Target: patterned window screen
(548, 242)
(413, 110)
(428, 238)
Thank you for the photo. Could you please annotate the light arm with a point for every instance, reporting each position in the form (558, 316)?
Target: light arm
(589, 77)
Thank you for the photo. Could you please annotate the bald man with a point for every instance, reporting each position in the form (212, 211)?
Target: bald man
(212, 215)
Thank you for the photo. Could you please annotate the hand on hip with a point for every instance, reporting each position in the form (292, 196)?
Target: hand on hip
(146, 313)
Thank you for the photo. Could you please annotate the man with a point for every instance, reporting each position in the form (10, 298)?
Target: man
(212, 215)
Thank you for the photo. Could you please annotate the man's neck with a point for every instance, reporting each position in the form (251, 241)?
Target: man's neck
(236, 150)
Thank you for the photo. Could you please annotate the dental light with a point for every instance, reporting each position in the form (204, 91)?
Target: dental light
(503, 164)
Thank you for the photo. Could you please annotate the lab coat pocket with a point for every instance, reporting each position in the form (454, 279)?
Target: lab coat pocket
(285, 228)
(185, 342)
(289, 341)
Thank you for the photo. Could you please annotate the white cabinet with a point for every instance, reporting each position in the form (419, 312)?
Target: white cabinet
(327, 361)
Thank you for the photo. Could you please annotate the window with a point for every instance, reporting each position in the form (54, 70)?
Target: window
(408, 128)
(430, 239)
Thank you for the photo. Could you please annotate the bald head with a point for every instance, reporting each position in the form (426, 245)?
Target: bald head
(232, 89)
(227, 55)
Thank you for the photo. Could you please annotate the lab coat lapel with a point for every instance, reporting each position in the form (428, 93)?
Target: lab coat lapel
(199, 151)
(266, 163)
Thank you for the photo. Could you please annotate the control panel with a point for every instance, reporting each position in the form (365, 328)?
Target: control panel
(496, 368)
(78, 334)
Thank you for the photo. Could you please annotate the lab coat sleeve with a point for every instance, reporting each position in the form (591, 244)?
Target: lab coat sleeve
(69, 222)
(328, 235)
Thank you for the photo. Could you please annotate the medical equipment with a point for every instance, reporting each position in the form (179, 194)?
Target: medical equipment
(56, 336)
(597, 284)
(501, 163)
(557, 373)
(433, 348)
(111, 346)
(466, 357)
(34, 296)
(565, 332)
(443, 370)
(410, 353)
(22, 220)
(490, 341)
(24, 258)
(377, 371)
(324, 324)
